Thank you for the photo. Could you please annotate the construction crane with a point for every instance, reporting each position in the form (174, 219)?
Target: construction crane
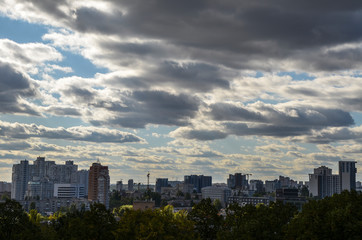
(148, 180)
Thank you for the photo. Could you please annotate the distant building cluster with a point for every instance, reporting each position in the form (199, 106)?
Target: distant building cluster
(52, 186)
(323, 183)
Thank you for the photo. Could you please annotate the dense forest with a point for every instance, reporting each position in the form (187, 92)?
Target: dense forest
(337, 217)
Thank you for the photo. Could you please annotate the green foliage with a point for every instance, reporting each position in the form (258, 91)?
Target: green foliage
(304, 192)
(257, 222)
(155, 196)
(187, 196)
(35, 217)
(154, 224)
(121, 210)
(98, 223)
(217, 204)
(206, 219)
(337, 217)
(15, 223)
(116, 200)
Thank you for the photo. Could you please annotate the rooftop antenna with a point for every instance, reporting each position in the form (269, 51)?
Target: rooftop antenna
(98, 161)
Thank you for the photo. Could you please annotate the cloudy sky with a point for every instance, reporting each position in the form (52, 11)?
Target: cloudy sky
(182, 87)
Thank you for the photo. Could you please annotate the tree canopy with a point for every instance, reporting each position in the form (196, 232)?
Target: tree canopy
(336, 217)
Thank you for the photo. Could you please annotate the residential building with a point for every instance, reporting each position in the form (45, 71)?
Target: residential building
(98, 184)
(52, 205)
(83, 178)
(290, 195)
(256, 186)
(323, 183)
(119, 186)
(130, 185)
(237, 180)
(69, 190)
(214, 192)
(160, 182)
(5, 187)
(198, 181)
(347, 174)
(20, 178)
(242, 200)
(41, 175)
(272, 186)
(39, 189)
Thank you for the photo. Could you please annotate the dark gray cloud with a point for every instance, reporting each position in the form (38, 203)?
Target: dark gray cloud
(240, 34)
(81, 94)
(265, 120)
(204, 135)
(247, 31)
(14, 87)
(309, 117)
(140, 108)
(335, 135)
(198, 77)
(63, 111)
(89, 134)
(225, 111)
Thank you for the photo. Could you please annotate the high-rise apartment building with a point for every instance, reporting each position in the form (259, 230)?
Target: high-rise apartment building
(130, 185)
(347, 174)
(37, 181)
(160, 182)
(237, 180)
(323, 183)
(198, 181)
(119, 186)
(20, 178)
(98, 184)
(256, 185)
(82, 178)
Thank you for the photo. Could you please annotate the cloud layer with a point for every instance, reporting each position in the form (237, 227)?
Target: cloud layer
(200, 83)
(89, 134)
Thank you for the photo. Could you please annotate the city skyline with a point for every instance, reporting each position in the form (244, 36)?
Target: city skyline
(177, 88)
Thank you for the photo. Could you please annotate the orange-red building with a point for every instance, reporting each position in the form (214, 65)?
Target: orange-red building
(98, 184)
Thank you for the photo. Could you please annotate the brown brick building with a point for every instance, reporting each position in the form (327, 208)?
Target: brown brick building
(98, 184)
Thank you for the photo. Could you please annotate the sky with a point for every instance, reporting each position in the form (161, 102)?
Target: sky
(186, 87)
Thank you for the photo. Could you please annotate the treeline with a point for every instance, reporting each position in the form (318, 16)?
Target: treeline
(337, 217)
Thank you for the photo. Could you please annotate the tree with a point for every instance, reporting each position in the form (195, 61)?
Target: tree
(257, 222)
(154, 224)
(98, 223)
(15, 223)
(179, 193)
(206, 219)
(304, 192)
(217, 204)
(336, 217)
(187, 196)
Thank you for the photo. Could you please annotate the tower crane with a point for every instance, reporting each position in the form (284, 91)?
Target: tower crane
(148, 180)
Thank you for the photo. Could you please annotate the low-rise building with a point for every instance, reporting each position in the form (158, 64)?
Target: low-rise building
(214, 192)
(69, 190)
(242, 201)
